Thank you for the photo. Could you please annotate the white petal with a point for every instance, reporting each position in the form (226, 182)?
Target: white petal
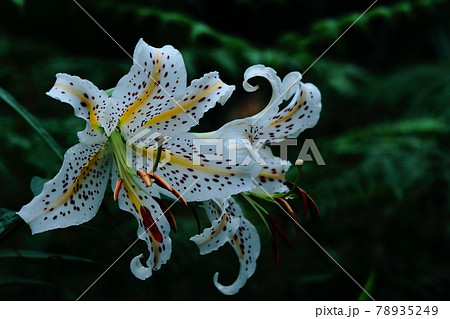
(186, 112)
(272, 176)
(246, 244)
(203, 180)
(223, 227)
(88, 101)
(139, 271)
(270, 75)
(301, 113)
(157, 77)
(130, 201)
(74, 195)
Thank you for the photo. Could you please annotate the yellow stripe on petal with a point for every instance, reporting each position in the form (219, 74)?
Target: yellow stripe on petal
(271, 175)
(236, 244)
(77, 182)
(176, 159)
(85, 102)
(216, 231)
(185, 106)
(293, 111)
(139, 101)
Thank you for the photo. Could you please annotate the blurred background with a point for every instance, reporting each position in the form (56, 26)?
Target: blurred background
(383, 133)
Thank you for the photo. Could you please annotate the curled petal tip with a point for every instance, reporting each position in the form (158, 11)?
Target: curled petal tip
(138, 269)
(117, 189)
(227, 290)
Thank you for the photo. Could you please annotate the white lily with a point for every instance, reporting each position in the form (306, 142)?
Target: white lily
(152, 97)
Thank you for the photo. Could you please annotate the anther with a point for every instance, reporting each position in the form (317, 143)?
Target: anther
(160, 181)
(164, 184)
(145, 177)
(117, 189)
(289, 210)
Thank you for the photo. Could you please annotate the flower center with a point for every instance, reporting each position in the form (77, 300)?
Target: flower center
(127, 175)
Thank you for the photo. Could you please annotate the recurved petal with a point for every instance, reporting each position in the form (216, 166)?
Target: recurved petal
(270, 75)
(302, 112)
(153, 227)
(246, 244)
(74, 195)
(88, 101)
(223, 227)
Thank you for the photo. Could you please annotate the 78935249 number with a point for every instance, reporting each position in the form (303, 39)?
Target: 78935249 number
(407, 310)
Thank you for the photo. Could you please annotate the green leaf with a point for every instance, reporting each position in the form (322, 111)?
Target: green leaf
(31, 254)
(7, 218)
(32, 121)
(368, 287)
(37, 184)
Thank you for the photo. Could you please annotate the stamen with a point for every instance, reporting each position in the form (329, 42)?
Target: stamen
(293, 188)
(150, 225)
(314, 210)
(161, 181)
(167, 213)
(279, 229)
(145, 177)
(177, 195)
(308, 202)
(117, 188)
(290, 211)
(164, 184)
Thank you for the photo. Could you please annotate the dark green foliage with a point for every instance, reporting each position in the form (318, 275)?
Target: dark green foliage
(383, 133)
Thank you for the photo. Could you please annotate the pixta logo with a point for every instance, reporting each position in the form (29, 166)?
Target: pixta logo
(142, 150)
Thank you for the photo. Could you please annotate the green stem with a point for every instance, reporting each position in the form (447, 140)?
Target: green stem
(257, 209)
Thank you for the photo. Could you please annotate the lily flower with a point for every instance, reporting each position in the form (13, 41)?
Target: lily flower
(302, 110)
(152, 97)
